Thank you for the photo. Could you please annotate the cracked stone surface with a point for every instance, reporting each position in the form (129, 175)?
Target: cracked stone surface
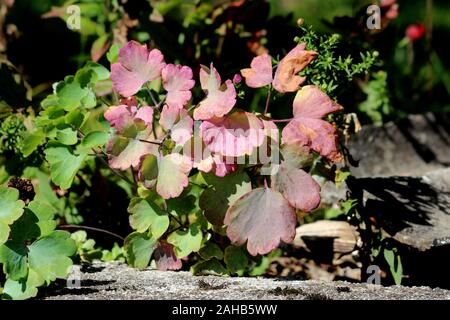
(112, 281)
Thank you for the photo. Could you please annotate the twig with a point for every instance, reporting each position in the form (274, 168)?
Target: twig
(74, 226)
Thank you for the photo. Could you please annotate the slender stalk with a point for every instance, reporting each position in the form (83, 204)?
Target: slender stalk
(282, 120)
(115, 171)
(151, 142)
(269, 94)
(74, 226)
(155, 103)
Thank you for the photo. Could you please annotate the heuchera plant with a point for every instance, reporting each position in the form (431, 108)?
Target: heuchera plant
(180, 150)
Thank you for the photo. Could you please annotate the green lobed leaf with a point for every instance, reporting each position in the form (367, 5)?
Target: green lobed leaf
(24, 288)
(94, 139)
(63, 164)
(67, 136)
(139, 249)
(222, 193)
(146, 215)
(11, 208)
(236, 259)
(101, 72)
(209, 267)
(49, 255)
(186, 241)
(13, 256)
(31, 141)
(211, 250)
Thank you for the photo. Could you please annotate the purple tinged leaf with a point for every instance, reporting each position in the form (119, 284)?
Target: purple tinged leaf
(263, 218)
(165, 257)
(297, 186)
(260, 72)
(219, 99)
(177, 80)
(136, 66)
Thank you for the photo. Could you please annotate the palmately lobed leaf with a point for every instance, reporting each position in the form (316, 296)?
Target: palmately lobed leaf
(165, 257)
(49, 255)
(177, 80)
(139, 249)
(146, 215)
(262, 218)
(11, 208)
(136, 65)
(260, 72)
(186, 241)
(297, 186)
(64, 165)
(219, 99)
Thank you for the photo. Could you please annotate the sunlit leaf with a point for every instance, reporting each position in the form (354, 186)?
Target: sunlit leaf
(177, 80)
(260, 72)
(286, 78)
(262, 218)
(136, 65)
(139, 249)
(11, 208)
(146, 215)
(219, 100)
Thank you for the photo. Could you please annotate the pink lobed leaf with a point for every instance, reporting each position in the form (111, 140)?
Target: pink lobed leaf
(136, 66)
(177, 80)
(233, 135)
(133, 126)
(260, 72)
(316, 134)
(297, 186)
(286, 78)
(178, 122)
(311, 102)
(165, 257)
(263, 218)
(219, 100)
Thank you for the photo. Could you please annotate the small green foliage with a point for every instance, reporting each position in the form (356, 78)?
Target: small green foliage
(331, 70)
(377, 104)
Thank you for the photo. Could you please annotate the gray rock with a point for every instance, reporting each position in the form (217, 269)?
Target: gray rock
(412, 147)
(413, 210)
(117, 281)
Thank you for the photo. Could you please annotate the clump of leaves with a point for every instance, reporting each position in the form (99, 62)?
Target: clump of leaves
(32, 252)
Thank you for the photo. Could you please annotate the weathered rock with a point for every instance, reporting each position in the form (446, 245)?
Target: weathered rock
(413, 210)
(117, 281)
(412, 147)
(341, 236)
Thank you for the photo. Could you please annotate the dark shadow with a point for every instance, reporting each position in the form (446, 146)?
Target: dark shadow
(395, 202)
(59, 288)
(321, 248)
(439, 124)
(89, 268)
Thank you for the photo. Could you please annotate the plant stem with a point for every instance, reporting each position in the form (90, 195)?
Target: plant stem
(151, 142)
(282, 120)
(269, 94)
(74, 226)
(156, 104)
